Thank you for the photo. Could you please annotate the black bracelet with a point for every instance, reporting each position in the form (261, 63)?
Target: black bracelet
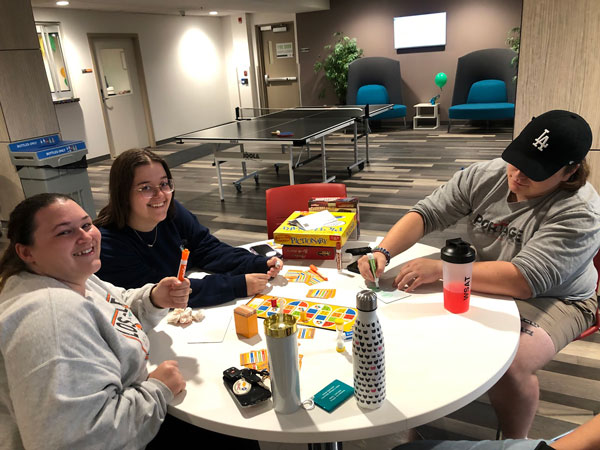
(386, 253)
(150, 297)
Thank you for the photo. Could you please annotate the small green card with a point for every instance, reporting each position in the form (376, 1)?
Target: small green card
(333, 395)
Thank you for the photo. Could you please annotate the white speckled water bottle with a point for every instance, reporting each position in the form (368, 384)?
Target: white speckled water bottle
(368, 353)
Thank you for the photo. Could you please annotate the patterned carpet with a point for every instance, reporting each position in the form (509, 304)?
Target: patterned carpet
(406, 165)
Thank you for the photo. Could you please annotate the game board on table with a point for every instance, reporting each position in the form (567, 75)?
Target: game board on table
(318, 315)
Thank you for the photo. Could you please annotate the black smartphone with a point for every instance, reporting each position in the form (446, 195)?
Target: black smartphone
(358, 251)
(353, 267)
(264, 250)
(245, 387)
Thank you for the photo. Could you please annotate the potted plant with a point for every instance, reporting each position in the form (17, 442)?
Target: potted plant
(514, 42)
(335, 64)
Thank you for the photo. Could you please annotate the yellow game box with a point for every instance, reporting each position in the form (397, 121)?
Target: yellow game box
(328, 236)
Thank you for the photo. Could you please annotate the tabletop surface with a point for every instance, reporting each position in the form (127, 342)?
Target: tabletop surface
(305, 123)
(436, 362)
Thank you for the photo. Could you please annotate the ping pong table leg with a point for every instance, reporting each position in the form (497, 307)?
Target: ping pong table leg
(367, 139)
(220, 180)
(360, 164)
(244, 171)
(323, 160)
(355, 142)
(324, 163)
(291, 164)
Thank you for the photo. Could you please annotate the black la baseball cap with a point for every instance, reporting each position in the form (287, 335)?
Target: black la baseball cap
(549, 142)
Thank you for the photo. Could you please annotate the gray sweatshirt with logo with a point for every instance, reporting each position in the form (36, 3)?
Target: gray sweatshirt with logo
(551, 239)
(73, 369)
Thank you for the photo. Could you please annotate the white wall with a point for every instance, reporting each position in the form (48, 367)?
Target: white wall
(184, 64)
(235, 37)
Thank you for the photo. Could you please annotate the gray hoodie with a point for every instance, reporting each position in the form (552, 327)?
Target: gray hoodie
(73, 369)
(551, 239)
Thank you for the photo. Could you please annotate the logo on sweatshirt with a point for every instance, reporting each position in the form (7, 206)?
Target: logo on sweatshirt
(125, 322)
(503, 230)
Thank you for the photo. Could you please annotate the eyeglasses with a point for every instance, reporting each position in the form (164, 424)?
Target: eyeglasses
(148, 191)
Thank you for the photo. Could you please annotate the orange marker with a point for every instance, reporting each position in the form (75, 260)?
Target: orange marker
(185, 253)
(313, 268)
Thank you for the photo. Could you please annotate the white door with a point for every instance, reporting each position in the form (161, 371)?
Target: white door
(121, 94)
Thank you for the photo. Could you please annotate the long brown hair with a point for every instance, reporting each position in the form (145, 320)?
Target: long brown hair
(578, 178)
(116, 213)
(21, 227)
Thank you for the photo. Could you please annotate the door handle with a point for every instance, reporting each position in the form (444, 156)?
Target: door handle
(270, 80)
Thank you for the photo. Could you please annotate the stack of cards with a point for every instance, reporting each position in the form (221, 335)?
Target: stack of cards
(259, 359)
(321, 293)
(299, 276)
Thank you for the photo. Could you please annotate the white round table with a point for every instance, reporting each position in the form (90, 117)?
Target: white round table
(436, 363)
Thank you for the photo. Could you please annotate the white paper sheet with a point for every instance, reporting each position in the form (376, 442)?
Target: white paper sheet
(386, 293)
(316, 220)
(391, 296)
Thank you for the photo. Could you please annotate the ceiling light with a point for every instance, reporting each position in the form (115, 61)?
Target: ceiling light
(214, 13)
(62, 3)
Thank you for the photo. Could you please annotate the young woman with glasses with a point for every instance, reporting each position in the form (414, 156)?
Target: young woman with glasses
(144, 229)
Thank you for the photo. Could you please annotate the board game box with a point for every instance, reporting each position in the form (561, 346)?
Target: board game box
(307, 252)
(331, 235)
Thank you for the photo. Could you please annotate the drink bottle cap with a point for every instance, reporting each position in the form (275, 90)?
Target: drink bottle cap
(366, 300)
(280, 329)
(458, 251)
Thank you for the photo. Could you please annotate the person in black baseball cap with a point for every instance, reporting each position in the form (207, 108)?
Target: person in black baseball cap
(535, 223)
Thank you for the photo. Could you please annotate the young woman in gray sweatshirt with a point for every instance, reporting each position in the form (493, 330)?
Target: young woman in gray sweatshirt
(73, 350)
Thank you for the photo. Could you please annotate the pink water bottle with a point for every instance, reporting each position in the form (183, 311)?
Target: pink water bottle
(457, 257)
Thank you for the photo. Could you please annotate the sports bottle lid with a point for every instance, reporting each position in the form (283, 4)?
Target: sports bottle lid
(458, 251)
(280, 329)
(366, 300)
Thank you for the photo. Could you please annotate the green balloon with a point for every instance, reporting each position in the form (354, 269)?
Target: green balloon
(440, 79)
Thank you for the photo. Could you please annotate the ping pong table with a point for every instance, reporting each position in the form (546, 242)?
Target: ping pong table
(291, 128)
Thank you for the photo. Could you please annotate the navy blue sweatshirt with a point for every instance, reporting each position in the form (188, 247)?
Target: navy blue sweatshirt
(129, 262)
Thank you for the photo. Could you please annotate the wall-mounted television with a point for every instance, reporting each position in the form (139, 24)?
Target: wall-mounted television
(421, 31)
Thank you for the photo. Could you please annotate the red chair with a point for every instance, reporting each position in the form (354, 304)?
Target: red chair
(284, 200)
(596, 326)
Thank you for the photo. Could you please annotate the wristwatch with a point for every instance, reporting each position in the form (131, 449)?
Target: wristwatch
(385, 252)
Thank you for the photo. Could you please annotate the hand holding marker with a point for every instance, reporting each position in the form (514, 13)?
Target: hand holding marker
(373, 265)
